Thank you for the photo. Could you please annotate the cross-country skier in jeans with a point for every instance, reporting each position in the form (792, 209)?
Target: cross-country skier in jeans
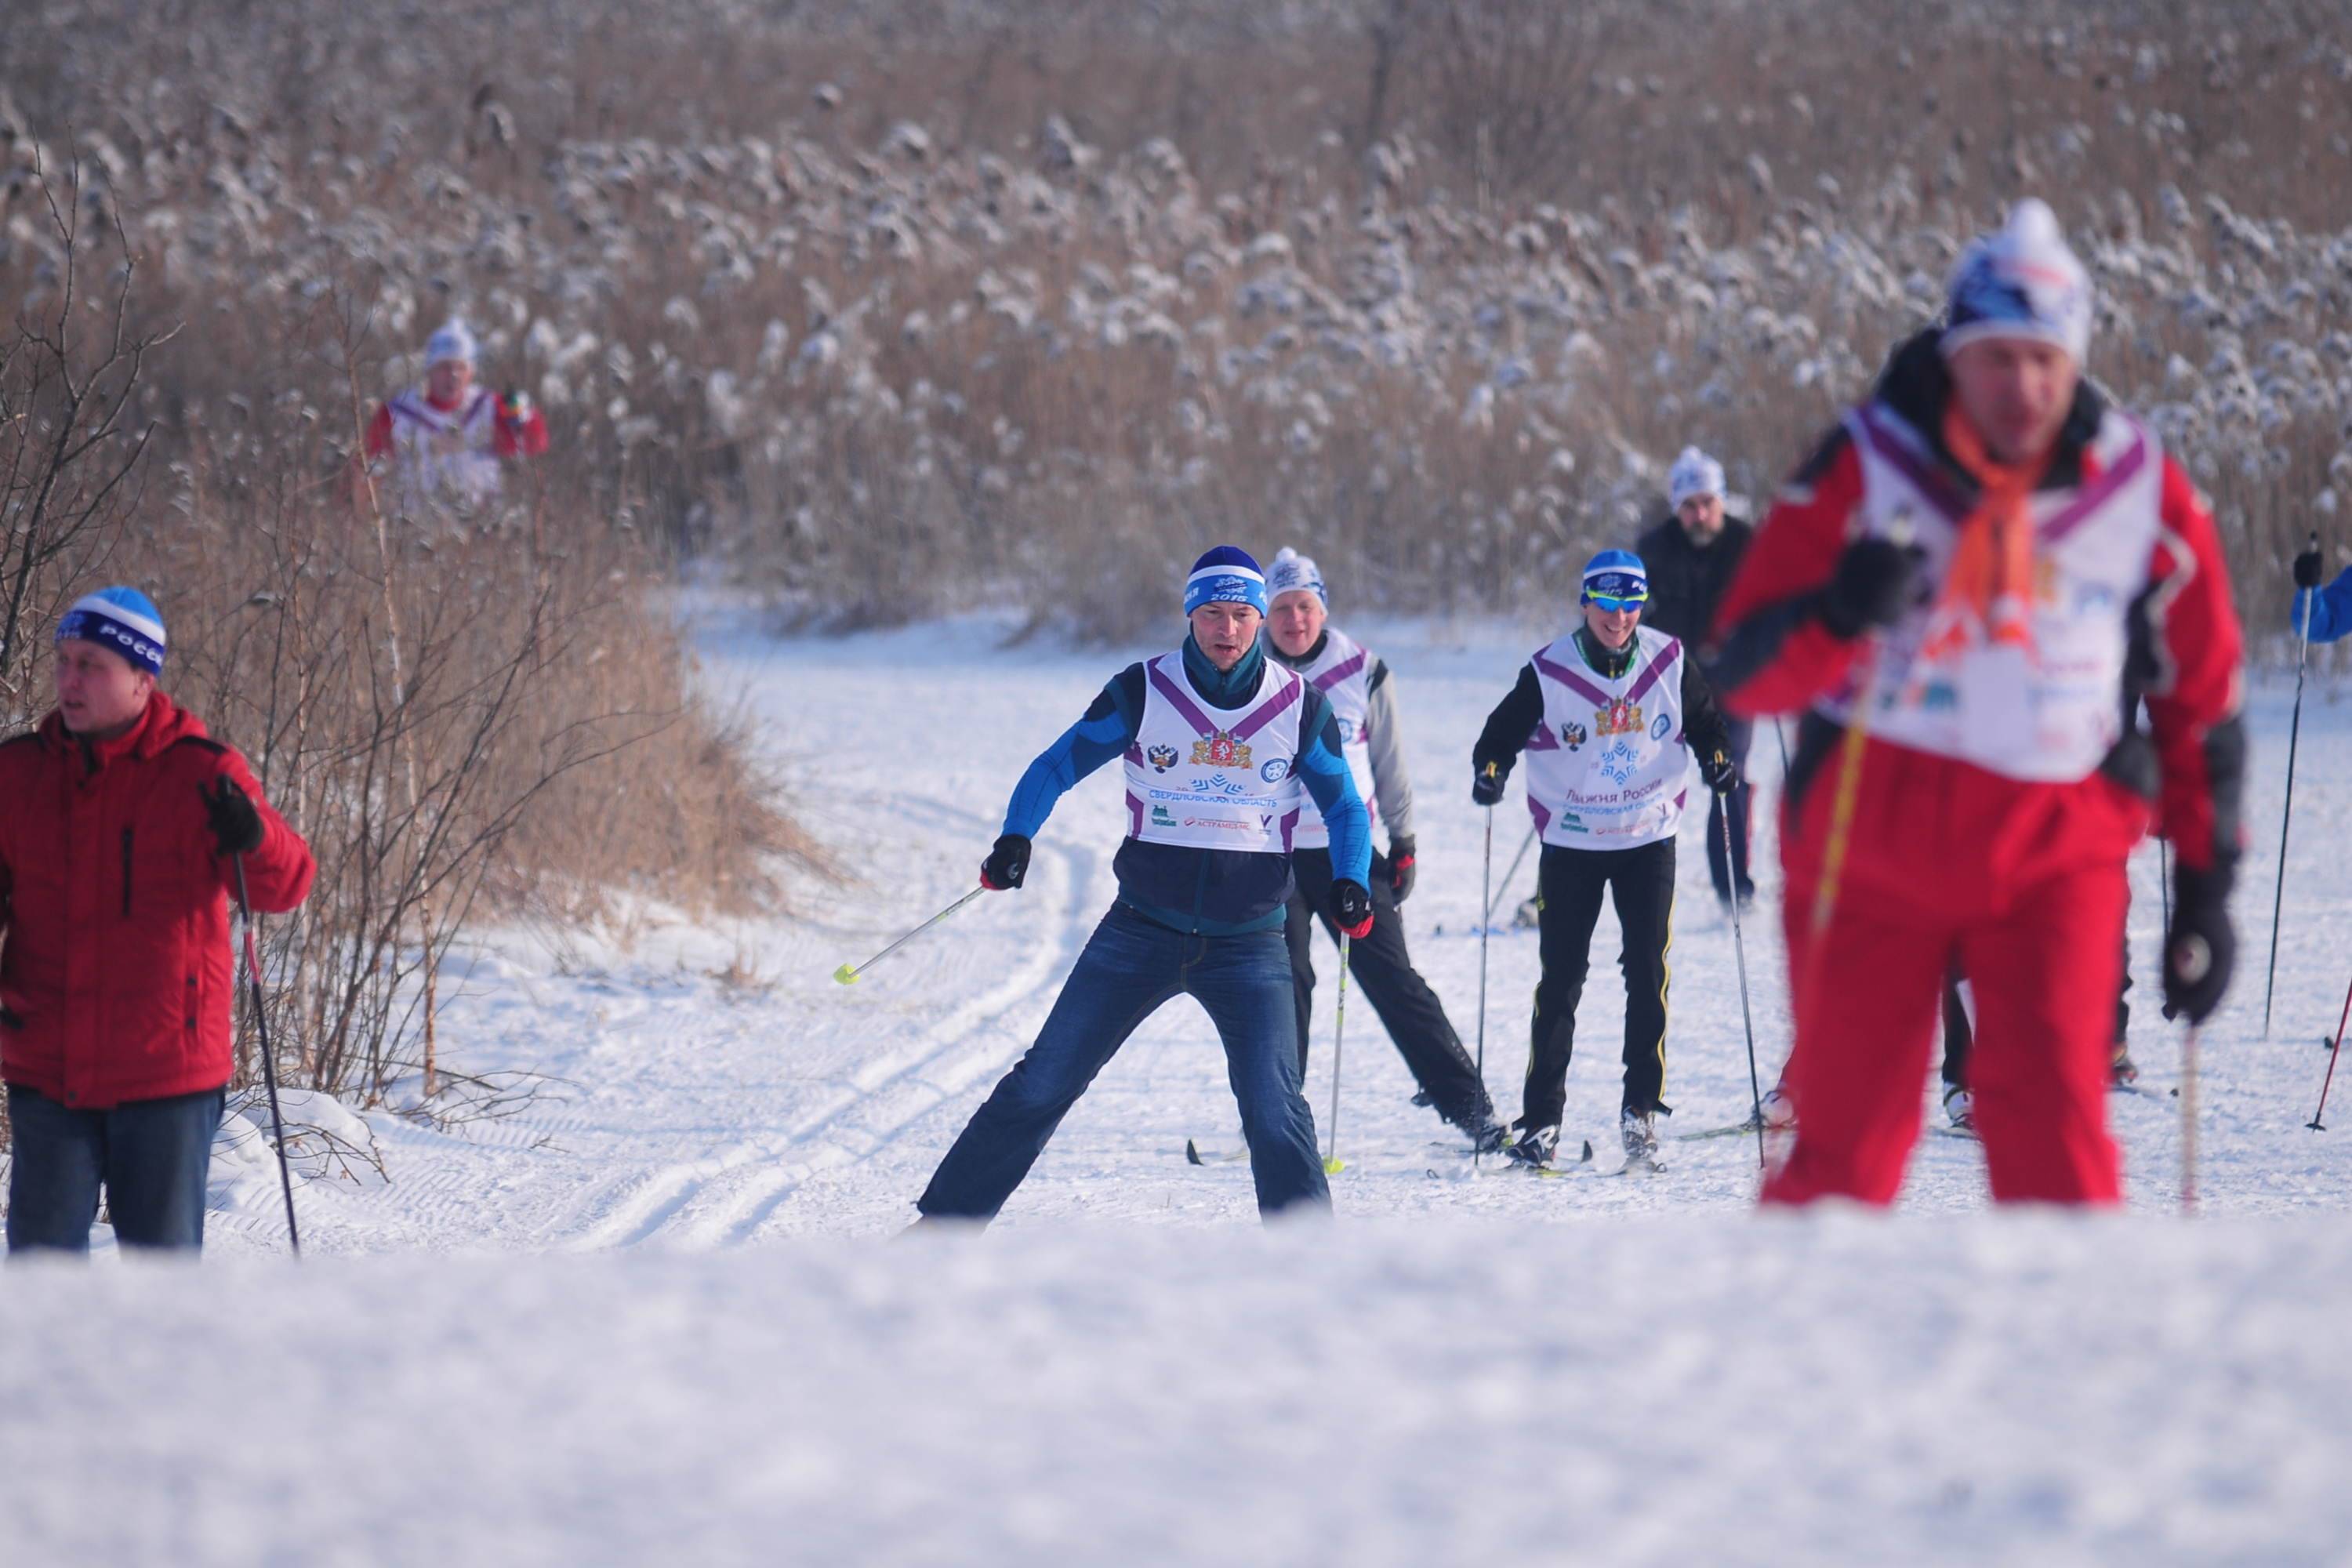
(1610, 717)
(1222, 747)
(1691, 558)
(1362, 694)
(116, 976)
(1999, 564)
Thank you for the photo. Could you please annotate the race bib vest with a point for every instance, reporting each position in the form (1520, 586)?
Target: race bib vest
(1607, 769)
(2049, 715)
(1343, 674)
(1210, 778)
(445, 454)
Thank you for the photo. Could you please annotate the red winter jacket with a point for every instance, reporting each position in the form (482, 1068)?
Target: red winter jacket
(1775, 657)
(116, 973)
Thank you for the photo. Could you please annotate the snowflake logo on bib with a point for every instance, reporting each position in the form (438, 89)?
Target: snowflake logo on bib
(1619, 718)
(1619, 761)
(1220, 751)
(1162, 757)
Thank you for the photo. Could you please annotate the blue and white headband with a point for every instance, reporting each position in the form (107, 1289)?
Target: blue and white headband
(124, 620)
(1617, 575)
(1225, 575)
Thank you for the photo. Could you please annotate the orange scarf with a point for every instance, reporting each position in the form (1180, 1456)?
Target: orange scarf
(1988, 593)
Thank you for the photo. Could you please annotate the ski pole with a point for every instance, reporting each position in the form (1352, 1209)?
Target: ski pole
(2164, 882)
(1739, 947)
(1332, 1166)
(1842, 803)
(1525, 845)
(1782, 736)
(2333, 1051)
(848, 973)
(1485, 900)
(2293, 734)
(268, 1061)
(2189, 1124)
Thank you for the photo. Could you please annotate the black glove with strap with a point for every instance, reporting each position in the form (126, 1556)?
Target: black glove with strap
(1006, 864)
(1721, 777)
(1872, 588)
(1401, 867)
(1351, 909)
(1486, 786)
(2201, 948)
(2309, 568)
(229, 812)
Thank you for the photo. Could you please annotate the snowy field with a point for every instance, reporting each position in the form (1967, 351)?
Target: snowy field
(653, 1319)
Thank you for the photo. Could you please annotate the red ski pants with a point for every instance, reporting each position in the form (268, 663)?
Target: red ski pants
(2045, 952)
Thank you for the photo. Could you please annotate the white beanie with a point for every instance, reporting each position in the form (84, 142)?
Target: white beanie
(1291, 571)
(1693, 474)
(2022, 282)
(454, 340)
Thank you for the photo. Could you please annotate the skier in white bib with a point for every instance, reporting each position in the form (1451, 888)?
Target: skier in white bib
(1223, 750)
(445, 442)
(1610, 717)
(1362, 694)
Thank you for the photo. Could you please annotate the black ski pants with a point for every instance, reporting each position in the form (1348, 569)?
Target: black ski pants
(1743, 732)
(1409, 1009)
(1569, 886)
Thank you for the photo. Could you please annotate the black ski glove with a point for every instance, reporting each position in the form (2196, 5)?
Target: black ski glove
(2202, 949)
(1487, 787)
(1870, 587)
(2309, 568)
(1006, 864)
(1720, 775)
(1400, 869)
(1351, 909)
(230, 813)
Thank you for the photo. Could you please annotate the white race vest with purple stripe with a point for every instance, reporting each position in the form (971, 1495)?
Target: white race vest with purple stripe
(1215, 778)
(1607, 768)
(2051, 717)
(446, 455)
(1343, 674)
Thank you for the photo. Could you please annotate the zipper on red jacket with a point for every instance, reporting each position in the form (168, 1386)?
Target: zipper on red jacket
(126, 873)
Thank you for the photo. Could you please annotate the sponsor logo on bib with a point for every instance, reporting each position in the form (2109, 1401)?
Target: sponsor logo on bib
(1222, 750)
(1275, 771)
(1162, 817)
(1659, 727)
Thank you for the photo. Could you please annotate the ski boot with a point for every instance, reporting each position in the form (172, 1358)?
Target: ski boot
(1487, 1135)
(1641, 1131)
(1961, 1106)
(2122, 1071)
(1533, 1150)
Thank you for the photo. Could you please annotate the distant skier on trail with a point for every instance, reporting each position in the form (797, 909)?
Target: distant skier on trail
(444, 443)
(1980, 569)
(1221, 748)
(1362, 694)
(1610, 716)
(1691, 557)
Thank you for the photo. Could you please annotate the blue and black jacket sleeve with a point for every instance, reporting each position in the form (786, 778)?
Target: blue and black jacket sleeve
(1103, 735)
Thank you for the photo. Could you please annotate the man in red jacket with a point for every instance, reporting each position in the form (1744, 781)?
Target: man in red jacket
(116, 843)
(1984, 568)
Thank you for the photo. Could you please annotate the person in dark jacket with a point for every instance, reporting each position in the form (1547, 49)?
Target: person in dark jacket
(1692, 557)
(117, 860)
(1610, 716)
(1220, 746)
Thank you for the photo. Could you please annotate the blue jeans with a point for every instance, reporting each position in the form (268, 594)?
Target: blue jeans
(1131, 966)
(152, 1157)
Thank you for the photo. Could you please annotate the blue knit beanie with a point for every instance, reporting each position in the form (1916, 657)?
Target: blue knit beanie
(1615, 574)
(1225, 575)
(124, 620)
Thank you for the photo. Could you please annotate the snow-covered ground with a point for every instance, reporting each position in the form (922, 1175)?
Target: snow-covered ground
(1461, 1366)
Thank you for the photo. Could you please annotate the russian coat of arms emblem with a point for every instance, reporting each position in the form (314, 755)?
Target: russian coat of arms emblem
(1162, 758)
